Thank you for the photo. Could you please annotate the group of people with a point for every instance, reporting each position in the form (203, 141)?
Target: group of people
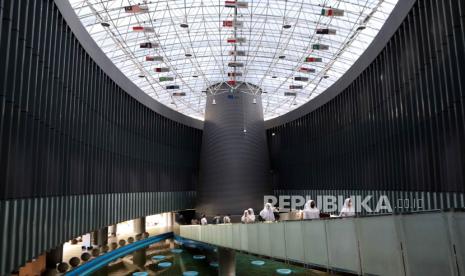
(269, 213)
(312, 212)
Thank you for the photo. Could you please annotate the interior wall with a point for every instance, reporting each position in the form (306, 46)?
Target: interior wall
(399, 126)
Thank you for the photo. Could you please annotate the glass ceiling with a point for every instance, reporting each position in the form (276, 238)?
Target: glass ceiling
(188, 42)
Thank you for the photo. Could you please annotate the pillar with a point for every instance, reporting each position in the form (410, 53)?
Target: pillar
(235, 172)
(226, 262)
(102, 236)
(139, 225)
(53, 257)
(139, 257)
(113, 229)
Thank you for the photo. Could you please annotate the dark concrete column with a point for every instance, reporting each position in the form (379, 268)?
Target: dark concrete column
(139, 225)
(226, 261)
(53, 257)
(235, 172)
(139, 257)
(102, 236)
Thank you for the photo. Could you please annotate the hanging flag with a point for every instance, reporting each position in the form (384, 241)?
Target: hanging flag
(230, 4)
(162, 69)
(326, 31)
(149, 45)
(332, 12)
(307, 70)
(238, 53)
(313, 59)
(235, 64)
(301, 78)
(234, 74)
(136, 9)
(153, 58)
(236, 4)
(143, 29)
(178, 94)
(232, 24)
(232, 82)
(236, 40)
(162, 79)
(242, 5)
(171, 87)
(290, 94)
(320, 47)
(296, 86)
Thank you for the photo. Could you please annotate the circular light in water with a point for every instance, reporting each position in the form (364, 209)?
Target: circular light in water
(257, 262)
(283, 271)
(214, 264)
(199, 257)
(190, 273)
(164, 265)
(158, 257)
(142, 273)
(176, 251)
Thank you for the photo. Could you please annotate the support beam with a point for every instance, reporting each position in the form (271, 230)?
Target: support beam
(53, 257)
(226, 261)
(139, 225)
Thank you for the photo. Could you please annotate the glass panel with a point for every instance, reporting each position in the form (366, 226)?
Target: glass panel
(190, 37)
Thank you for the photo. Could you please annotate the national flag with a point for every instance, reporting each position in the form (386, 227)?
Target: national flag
(236, 4)
(242, 5)
(149, 45)
(332, 12)
(235, 64)
(230, 4)
(153, 58)
(313, 59)
(143, 29)
(162, 69)
(295, 86)
(236, 40)
(163, 79)
(178, 94)
(136, 9)
(307, 70)
(326, 31)
(238, 53)
(301, 78)
(231, 23)
(320, 47)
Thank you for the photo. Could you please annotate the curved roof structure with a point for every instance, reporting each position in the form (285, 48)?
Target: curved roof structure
(175, 49)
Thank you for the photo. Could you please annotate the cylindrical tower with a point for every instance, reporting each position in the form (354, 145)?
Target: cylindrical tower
(234, 158)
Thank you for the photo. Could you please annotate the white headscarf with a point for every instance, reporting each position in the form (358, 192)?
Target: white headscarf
(245, 217)
(347, 211)
(309, 212)
(267, 212)
(251, 215)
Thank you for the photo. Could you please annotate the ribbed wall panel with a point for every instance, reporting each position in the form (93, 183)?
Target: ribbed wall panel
(400, 126)
(29, 227)
(234, 164)
(67, 128)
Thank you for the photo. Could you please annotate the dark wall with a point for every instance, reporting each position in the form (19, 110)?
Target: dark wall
(399, 126)
(234, 165)
(67, 128)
